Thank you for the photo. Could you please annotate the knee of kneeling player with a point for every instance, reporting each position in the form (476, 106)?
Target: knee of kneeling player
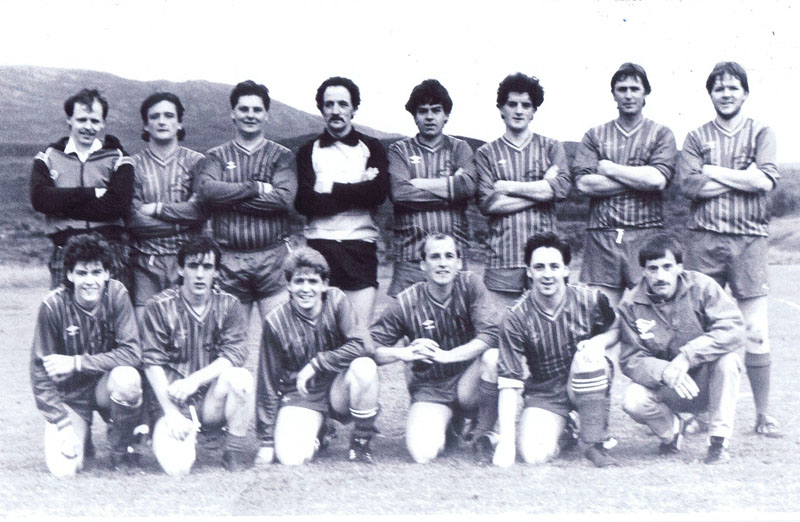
(635, 398)
(294, 452)
(125, 385)
(364, 371)
(424, 446)
(537, 451)
(238, 381)
(489, 364)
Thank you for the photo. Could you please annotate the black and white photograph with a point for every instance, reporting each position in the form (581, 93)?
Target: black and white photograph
(357, 260)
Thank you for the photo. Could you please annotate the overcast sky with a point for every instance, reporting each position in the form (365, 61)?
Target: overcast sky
(388, 47)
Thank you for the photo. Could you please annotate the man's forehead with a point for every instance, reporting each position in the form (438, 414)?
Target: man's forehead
(443, 246)
(88, 266)
(727, 79)
(95, 108)
(546, 254)
(250, 100)
(336, 93)
(163, 106)
(628, 81)
(207, 257)
(306, 273)
(519, 96)
(429, 106)
(668, 257)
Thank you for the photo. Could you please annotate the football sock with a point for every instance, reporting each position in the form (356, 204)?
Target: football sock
(123, 418)
(235, 443)
(364, 422)
(758, 365)
(487, 406)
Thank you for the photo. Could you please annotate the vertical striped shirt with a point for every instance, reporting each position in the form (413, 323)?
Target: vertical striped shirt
(418, 212)
(736, 211)
(468, 313)
(105, 338)
(170, 183)
(291, 339)
(244, 217)
(548, 343)
(175, 337)
(648, 144)
(501, 160)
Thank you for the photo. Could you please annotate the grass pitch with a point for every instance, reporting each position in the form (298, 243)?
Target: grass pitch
(763, 476)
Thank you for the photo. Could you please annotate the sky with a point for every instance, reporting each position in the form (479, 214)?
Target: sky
(573, 47)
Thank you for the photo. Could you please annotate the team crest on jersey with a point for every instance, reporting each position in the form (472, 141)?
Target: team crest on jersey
(54, 174)
(230, 165)
(72, 330)
(644, 326)
(501, 162)
(428, 324)
(415, 160)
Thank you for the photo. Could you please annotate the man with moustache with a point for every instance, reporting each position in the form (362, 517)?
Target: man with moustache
(165, 210)
(624, 166)
(250, 185)
(452, 323)
(520, 177)
(342, 178)
(681, 335)
(82, 184)
(432, 179)
(726, 169)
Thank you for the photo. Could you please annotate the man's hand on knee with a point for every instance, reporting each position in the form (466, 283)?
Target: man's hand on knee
(180, 390)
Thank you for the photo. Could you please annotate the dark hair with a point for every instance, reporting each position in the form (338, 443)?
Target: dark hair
(158, 97)
(519, 82)
(248, 88)
(547, 240)
(723, 68)
(306, 257)
(429, 92)
(657, 247)
(347, 83)
(627, 70)
(85, 248)
(439, 236)
(199, 246)
(85, 97)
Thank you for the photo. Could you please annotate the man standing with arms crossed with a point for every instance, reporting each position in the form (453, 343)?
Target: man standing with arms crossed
(165, 210)
(623, 166)
(520, 177)
(250, 184)
(452, 323)
(82, 184)
(342, 178)
(726, 168)
(432, 178)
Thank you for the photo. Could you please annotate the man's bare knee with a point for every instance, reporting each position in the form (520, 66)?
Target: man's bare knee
(125, 385)
(236, 381)
(537, 451)
(363, 371)
(635, 396)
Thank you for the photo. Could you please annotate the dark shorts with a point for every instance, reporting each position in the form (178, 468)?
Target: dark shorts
(611, 257)
(507, 280)
(87, 404)
(319, 401)
(120, 265)
(253, 275)
(353, 264)
(151, 275)
(442, 391)
(739, 261)
(550, 395)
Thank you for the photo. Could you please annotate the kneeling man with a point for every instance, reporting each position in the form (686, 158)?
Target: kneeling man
(452, 323)
(562, 332)
(85, 355)
(194, 348)
(681, 335)
(315, 361)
